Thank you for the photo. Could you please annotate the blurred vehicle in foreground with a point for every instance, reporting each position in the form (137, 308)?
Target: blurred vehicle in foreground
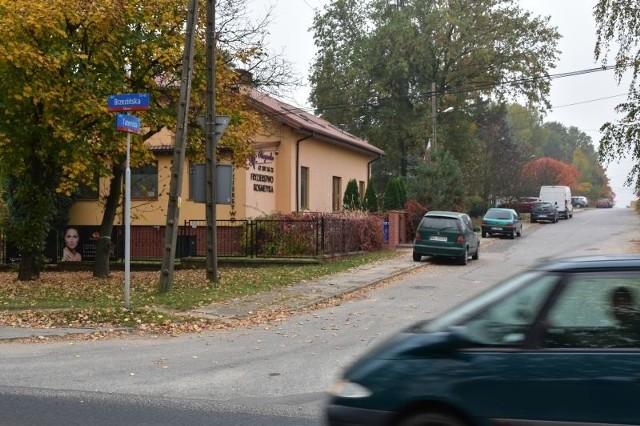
(558, 344)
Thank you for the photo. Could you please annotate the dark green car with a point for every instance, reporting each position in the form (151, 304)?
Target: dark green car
(558, 344)
(446, 234)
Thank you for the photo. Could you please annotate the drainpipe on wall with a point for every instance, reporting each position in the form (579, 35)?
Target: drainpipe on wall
(298, 170)
(369, 167)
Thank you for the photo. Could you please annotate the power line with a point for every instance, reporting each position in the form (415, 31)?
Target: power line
(427, 95)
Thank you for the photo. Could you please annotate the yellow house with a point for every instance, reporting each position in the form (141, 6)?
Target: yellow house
(302, 164)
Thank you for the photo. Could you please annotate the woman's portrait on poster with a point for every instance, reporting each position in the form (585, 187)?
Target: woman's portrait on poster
(71, 241)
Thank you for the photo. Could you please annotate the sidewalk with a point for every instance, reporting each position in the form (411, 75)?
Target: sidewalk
(298, 296)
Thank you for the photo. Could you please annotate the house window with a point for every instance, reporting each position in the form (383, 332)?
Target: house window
(89, 192)
(304, 188)
(144, 181)
(337, 193)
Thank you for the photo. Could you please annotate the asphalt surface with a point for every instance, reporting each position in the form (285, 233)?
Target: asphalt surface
(293, 298)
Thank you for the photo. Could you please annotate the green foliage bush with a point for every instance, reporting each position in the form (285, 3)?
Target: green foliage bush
(371, 198)
(351, 199)
(395, 195)
(311, 234)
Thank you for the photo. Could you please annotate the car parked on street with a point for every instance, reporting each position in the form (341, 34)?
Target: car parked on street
(604, 203)
(544, 211)
(446, 234)
(557, 344)
(522, 205)
(580, 201)
(498, 221)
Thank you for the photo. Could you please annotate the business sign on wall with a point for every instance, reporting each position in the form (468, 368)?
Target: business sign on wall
(262, 176)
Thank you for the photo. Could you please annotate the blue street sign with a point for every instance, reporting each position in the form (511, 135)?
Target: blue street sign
(128, 102)
(127, 123)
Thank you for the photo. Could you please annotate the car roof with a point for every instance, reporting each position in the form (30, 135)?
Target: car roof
(590, 263)
(500, 209)
(445, 214)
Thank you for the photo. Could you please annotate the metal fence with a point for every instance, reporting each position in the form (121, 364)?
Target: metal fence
(235, 238)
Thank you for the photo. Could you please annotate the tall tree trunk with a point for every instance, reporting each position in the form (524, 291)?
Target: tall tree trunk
(28, 268)
(103, 247)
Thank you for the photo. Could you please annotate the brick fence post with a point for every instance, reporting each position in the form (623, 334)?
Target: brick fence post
(394, 229)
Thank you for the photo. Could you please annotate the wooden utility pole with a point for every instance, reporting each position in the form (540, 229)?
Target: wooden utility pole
(180, 145)
(210, 136)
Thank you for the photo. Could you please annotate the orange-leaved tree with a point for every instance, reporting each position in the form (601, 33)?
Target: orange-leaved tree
(549, 171)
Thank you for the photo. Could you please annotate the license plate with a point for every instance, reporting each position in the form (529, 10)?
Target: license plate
(438, 238)
(542, 215)
(496, 228)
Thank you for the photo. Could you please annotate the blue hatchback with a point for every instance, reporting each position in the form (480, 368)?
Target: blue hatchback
(558, 344)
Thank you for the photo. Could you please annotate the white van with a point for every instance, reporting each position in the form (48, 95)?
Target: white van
(560, 196)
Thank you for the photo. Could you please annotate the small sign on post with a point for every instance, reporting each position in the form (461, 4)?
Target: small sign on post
(127, 123)
(128, 102)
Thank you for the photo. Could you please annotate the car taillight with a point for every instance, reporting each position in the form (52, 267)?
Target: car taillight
(460, 240)
(417, 236)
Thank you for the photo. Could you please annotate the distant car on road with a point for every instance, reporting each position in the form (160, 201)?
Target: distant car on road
(544, 211)
(604, 203)
(579, 201)
(522, 205)
(498, 221)
(558, 344)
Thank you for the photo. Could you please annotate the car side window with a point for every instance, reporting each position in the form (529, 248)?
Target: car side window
(507, 322)
(596, 312)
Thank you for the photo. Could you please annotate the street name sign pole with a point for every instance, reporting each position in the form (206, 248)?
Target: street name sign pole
(128, 124)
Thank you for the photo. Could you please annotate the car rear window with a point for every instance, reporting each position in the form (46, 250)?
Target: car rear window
(497, 214)
(440, 223)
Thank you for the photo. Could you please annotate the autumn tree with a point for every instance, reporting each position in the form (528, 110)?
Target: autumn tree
(59, 61)
(385, 56)
(618, 34)
(548, 171)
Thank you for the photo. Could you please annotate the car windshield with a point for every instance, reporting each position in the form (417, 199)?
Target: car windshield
(457, 315)
(498, 214)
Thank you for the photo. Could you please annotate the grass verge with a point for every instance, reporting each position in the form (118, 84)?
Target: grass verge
(77, 299)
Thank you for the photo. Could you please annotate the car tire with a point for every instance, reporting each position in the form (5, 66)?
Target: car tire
(431, 419)
(476, 255)
(484, 234)
(464, 259)
(533, 220)
(520, 233)
(513, 234)
(417, 257)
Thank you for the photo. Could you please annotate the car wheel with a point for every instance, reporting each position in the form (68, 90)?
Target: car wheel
(520, 233)
(533, 220)
(476, 255)
(417, 257)
(431, 419)
(484, 234)
(464, 259)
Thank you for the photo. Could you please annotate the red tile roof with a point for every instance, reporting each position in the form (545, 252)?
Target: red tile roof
(308, 124)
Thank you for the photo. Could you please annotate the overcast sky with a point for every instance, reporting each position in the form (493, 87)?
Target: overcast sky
(585, 101)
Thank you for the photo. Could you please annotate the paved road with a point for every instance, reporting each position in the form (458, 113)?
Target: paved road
(282, 369)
